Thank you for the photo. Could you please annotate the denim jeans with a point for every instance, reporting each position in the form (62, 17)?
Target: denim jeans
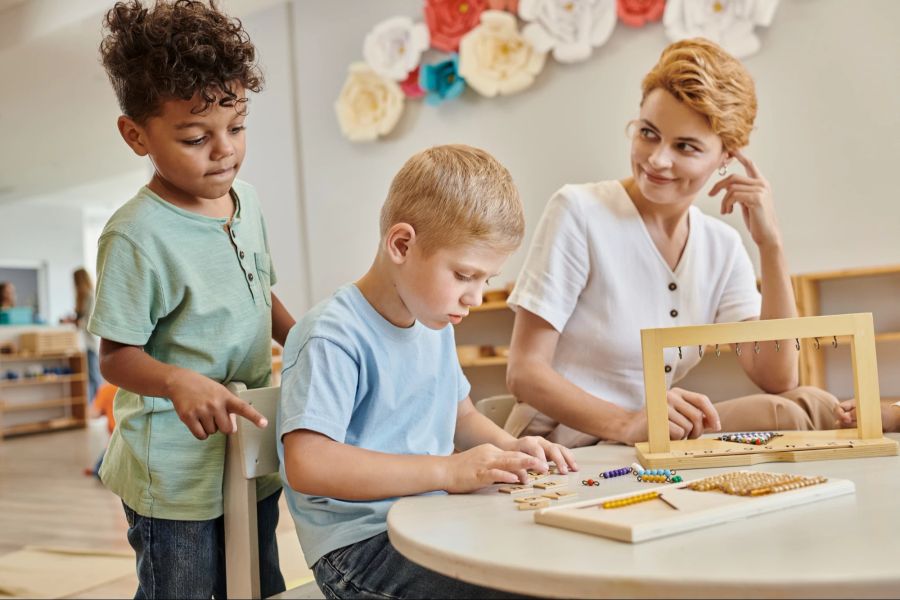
(374, 569)
(186, 559)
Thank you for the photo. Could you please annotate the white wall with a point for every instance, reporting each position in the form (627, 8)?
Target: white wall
(272, 164)
(827, 132)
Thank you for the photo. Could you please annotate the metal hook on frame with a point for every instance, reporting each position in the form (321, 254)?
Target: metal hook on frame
(777, 345)
(737, 349)
(755, 347)
(834, 341)
(679, 352)
(817, 343)
(717, 351)
(797, 343)
(700, 350)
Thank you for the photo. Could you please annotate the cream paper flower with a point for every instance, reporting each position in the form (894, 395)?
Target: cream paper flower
(570, 28)
(394, 46)
(494, 58)
(369, 105)
(729, 23)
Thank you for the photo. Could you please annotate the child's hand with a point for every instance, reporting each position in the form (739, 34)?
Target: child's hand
(545, 450)
(845, 413)
(487, 464)
(205, 406)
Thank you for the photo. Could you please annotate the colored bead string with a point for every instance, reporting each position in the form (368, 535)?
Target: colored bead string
(756, 438)
(751, 483)
(589, 482)
(655, 475)
(615, 473)
(620, 502)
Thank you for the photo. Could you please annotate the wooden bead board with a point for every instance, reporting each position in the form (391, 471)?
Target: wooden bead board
(653, 519)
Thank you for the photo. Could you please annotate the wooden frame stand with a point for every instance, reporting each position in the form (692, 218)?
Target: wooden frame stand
(866, 440)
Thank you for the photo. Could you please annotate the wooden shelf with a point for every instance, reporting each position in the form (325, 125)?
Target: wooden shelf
(487, 361)
(42, 380)
(26, 406)
(35, 357)
(488, 306)
(52, 425)
(853, 273)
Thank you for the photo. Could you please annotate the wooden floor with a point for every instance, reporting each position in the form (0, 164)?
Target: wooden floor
(46, 500)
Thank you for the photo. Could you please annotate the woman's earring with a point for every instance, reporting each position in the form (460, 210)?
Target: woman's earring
(723, 169)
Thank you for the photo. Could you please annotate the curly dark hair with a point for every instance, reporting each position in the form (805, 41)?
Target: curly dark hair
(172, 51)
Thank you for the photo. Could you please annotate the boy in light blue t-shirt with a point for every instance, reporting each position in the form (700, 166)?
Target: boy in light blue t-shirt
(373, 398)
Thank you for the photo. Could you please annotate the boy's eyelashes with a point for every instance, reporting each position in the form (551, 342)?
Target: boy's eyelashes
(199, 140)
(462, 277)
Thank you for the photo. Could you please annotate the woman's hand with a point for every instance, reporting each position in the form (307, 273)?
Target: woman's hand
(753, 193)
(690, 415)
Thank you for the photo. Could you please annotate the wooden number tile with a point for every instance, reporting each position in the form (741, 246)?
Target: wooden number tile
(515, 489)
(527, 499)
(550, 485)
(559, 494)
(533, 505)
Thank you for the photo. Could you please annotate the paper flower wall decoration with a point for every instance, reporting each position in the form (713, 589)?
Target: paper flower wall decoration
(449, 20)
(729, 23)
(442, 81)
(637, 13)
(369, 105)
(570, 28)
(394, 46)
(494, 58)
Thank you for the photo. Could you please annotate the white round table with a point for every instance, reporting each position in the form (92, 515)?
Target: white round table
(847, 546)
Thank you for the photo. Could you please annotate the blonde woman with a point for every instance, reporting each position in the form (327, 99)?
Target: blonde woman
(613, 257)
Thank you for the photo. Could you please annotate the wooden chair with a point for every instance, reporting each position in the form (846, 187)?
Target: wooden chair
(496, 408)
(250, 452)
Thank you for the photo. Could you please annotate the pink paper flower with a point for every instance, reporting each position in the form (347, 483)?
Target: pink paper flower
(449, 20)
(637, 13)
(411, 87)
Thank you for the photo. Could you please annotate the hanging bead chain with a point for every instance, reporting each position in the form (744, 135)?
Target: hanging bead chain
(757, 438)
(615, 473)
(751, 483)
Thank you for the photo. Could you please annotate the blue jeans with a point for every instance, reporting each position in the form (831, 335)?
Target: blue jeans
(95, 380)
(373, 568)
(186, 559)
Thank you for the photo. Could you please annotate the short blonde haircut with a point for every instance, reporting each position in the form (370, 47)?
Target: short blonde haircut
(453, 195)
(710, 81)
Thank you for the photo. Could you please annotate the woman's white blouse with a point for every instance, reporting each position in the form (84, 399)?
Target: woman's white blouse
(595, 275)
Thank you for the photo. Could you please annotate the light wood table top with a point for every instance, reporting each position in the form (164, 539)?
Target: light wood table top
(848, 546)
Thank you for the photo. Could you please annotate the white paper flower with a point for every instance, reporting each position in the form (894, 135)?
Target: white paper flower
(571, 28)
(494, 58)
(729, 23)
(369, 105)
(394, 46)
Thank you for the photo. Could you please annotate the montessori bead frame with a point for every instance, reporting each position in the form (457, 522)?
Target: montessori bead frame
(866, 440)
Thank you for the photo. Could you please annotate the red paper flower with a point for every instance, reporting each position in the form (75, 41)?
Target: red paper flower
(411, 87)
(637, 13)
(449, 20)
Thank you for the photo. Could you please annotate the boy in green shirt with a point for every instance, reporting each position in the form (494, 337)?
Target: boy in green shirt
(184, 304)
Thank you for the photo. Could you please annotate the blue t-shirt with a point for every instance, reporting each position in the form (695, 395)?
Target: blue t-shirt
(351, 375)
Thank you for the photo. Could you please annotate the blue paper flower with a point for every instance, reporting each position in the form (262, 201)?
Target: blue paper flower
(442, 80)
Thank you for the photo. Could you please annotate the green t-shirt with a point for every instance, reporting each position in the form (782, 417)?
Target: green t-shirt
(195, 295)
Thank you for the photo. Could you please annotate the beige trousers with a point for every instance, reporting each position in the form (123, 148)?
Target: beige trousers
(804, 408)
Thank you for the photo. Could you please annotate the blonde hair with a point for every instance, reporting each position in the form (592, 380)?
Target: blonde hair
(84, 291)
(455, 194)
(707, 79)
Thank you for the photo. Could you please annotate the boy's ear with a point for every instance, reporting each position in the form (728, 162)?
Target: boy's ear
(133, 134)
(398, 241)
